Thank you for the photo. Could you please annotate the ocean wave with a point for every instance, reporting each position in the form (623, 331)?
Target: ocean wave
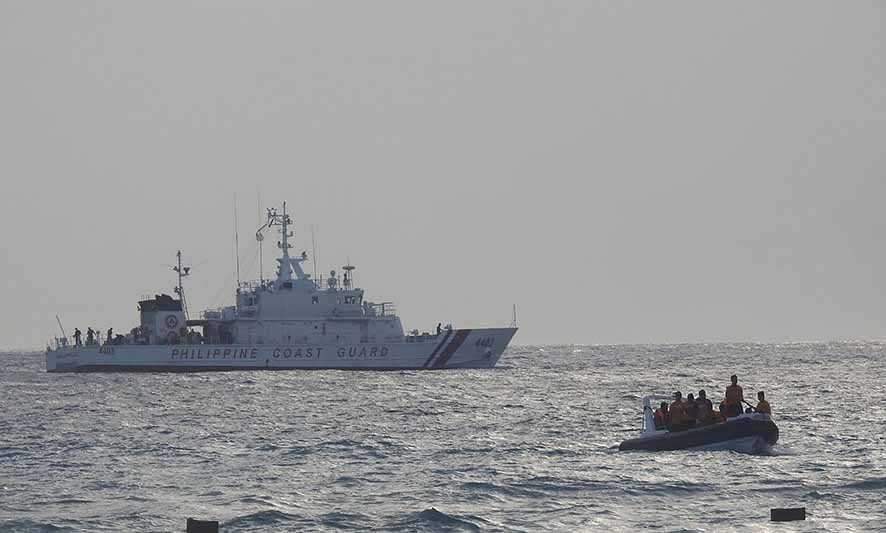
(11, 453)
(258, 499)
(552, 485)
(338, 520)
(67, 501)
(266, 519)
(30, 526)
(499, 491)
(464, 451)
(433, 520)
(823, 496)
(877, 483)
(672, 488)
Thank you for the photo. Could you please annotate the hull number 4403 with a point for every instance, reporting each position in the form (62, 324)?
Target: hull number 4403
(485, 342)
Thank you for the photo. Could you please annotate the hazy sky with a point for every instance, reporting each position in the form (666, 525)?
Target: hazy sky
(622, 171)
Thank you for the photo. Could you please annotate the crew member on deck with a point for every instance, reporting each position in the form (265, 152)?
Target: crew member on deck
(762, 404)
(439, 327)
(90, 336)
(691, 409)
(110, 336)
(660, 417)
(77, 337)
(705, 409)
(679, 419)
(731, 407)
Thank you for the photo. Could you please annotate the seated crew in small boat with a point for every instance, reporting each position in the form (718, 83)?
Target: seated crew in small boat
(762, 404)
(660, 417)
(691, 409)
(704, 409)
(731, 406)
(680, 420)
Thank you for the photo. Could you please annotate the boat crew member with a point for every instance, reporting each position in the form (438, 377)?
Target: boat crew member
(90, 336)
(110, 335)
(762, 404)
(704, 409)
(691, 409)
(439, 327)
(679, 418)
(731, 407)
(660, 416)
(77, 337)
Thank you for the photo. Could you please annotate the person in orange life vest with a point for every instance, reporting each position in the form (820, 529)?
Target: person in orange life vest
(660, 417)
(705, 409)
(731, 406)
(762, 404)
(691, 409)
(679, 417)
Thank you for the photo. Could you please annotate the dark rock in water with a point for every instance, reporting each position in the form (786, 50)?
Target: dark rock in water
(787, 515)
(202, 526)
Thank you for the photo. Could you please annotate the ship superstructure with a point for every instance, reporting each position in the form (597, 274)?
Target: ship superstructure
(290, 322)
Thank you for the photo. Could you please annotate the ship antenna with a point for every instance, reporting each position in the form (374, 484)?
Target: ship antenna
(514, 321)
(261, 268)
(236, 243)
(314, 251)
(64, 335)
(272, 215)
(284, 273)
(179, 289)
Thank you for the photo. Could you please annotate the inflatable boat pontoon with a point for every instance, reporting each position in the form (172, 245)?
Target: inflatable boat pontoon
(749, 432)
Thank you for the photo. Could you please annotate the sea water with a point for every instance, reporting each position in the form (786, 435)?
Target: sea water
(528, 446)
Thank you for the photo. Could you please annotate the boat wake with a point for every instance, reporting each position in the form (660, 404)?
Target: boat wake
(783, 450)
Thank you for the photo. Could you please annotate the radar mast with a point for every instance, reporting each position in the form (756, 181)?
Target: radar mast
(182, 272)
(287, 265)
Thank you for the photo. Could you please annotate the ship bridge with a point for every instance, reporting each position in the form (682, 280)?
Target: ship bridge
(294, 308)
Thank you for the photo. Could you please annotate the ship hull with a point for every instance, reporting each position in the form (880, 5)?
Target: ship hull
(461, 348)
